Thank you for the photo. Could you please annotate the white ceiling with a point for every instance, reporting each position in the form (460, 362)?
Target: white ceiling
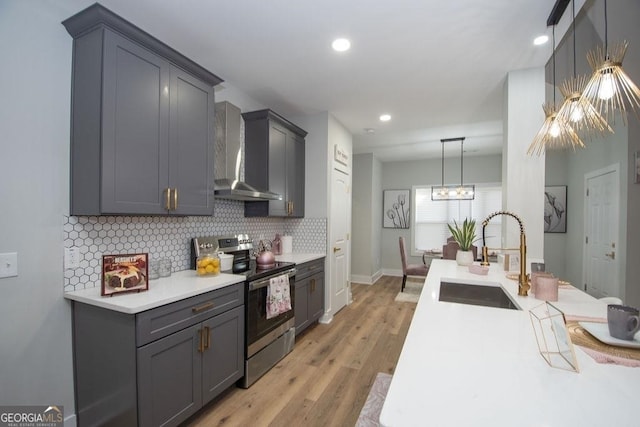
(438, 67)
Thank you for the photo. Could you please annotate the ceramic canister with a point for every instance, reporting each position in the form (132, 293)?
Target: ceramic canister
(534, 279)
(547, 288)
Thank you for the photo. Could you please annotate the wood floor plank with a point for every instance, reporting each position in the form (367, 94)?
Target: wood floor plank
(325, 380)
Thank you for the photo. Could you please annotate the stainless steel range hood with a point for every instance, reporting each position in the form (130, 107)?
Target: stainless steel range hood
(227, 184)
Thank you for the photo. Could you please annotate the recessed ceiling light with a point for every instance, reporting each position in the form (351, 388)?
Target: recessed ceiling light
(385, 118)
(369, 130)
(341, 45)
(540, 40)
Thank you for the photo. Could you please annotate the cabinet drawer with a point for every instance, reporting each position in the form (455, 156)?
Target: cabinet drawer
(162, 321)
(308, 268)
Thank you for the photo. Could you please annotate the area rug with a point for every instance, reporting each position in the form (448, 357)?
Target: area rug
(411, 292)
(370, 413)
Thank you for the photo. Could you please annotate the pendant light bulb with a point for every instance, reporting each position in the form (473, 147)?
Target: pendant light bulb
(610, 89)
(577, 113)
(607, 87)
(554, 129)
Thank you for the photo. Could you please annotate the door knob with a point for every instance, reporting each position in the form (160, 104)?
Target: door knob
(335, 250)
(612, 255)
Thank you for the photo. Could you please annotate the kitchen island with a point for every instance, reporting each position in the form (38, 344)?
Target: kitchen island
(467, 365)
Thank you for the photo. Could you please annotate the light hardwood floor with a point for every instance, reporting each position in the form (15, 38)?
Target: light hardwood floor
(325, 380)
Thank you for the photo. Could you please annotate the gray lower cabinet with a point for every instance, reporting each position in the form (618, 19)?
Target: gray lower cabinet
(158, 367)
(142, 126)
(275, 161)
(178, 374)
(309, 293)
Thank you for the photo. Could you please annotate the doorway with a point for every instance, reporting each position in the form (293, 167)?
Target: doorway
(339, 231)
(601, 258)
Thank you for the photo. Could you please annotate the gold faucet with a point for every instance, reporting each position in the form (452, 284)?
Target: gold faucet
(523, 283)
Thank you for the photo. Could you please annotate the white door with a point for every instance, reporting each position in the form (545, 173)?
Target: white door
(339, 238)
(601, 260)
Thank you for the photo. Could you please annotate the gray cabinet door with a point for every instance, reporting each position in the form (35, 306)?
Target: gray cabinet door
(296, 175)
(223, 357)
(316, 296)
(135, 126)
(170, 379)
(277, 166)
(301, 307)
(191, 143)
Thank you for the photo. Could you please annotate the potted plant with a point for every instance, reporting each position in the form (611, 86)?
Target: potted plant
(464, 235)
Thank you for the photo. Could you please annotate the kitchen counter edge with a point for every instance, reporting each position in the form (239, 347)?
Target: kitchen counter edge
(166, 290)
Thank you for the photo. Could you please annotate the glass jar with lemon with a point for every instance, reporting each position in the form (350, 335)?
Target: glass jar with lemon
(208, 265)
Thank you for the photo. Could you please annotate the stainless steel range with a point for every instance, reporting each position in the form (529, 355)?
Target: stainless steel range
(266, 340)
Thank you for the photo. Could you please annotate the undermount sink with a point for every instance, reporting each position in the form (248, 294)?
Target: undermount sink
(476, 294)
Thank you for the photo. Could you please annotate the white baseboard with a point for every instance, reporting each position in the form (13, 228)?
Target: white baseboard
(392, 272)
(366, 280)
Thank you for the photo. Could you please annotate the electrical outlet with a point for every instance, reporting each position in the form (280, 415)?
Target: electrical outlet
(9, 264)
(71, 258)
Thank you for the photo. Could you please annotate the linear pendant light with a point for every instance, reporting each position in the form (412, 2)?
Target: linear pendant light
(453, 192)
(576, 110)
(610, 87)
(555, 132)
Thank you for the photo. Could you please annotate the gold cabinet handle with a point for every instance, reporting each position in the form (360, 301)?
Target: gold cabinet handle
(175, 199)
(612, 255)
(200, 341)
(202, 307)
(313, 285)
(167, 204)
(207, 337)
(335, 250)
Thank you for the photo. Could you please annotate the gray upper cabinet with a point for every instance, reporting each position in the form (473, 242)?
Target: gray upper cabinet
(142, 122)
(274, 161)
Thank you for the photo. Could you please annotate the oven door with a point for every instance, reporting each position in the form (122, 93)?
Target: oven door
(260, 330)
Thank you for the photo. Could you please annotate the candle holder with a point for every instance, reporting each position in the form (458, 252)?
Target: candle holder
(552, 336)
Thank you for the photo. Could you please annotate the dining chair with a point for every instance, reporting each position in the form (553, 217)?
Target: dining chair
(410, 269)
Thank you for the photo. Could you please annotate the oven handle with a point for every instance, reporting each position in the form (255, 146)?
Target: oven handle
(264, 282)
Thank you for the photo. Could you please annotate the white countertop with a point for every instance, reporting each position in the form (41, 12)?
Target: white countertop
(178, 286)
(465, 365)
(299, 258)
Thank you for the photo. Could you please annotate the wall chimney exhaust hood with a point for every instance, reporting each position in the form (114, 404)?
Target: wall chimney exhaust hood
(228, 151)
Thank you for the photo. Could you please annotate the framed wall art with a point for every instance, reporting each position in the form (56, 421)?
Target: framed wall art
(555, 209)
(396, 209)
(124, 273)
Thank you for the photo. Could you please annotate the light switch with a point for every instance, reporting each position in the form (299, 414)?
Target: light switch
(8, 265)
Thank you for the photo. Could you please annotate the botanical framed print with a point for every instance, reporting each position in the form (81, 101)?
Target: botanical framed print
(396, 208)
(124, 273)
(555, 209)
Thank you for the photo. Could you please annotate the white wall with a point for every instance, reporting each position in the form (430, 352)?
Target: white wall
(362, 205)
(367, 218)
(523, 175)
(35, 320)
(316, 146)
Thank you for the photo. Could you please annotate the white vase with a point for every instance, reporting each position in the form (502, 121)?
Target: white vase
(464, 257)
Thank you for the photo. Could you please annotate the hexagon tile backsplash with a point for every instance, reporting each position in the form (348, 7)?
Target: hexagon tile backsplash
(170, 237)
